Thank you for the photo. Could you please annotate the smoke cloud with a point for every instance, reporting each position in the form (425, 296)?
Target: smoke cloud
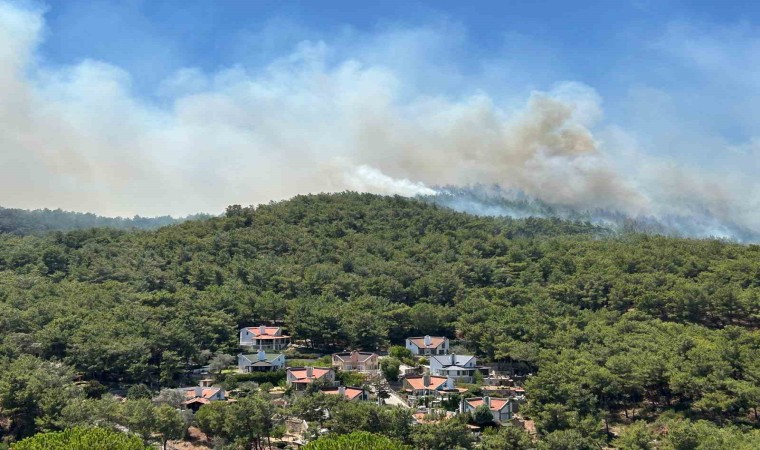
(78, 138)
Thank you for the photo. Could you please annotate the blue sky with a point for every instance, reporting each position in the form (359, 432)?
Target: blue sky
(595, 42)
(650, 107)
(609, 45)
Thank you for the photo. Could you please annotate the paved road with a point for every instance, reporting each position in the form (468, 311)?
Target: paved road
(395, 400)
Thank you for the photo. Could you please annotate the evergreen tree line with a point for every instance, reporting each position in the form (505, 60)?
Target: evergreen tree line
(618, 331)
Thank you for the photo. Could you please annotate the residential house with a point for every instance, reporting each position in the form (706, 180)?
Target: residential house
(501, 408)
(204, 393)
(264, 338)
(428, 345)
(261, 362)
(348, 392)
(300, 377)
(356, 361)
(420, 385)
(458, 367)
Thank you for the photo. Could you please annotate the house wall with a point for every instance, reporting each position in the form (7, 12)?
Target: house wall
(279, 363)
(442, 349)
(371, 364)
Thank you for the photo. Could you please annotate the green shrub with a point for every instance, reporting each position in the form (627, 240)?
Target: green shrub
(360, 440)
(81, 439)
(257, 377)
(350, 378)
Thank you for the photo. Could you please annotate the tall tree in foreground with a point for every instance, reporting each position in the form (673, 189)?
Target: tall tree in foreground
(33, 393)
(449, 434)
(169, 423)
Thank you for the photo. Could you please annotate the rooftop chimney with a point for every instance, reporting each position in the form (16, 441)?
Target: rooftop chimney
(262, 329)
(205, 383)
(428, 340)
(342, 391)
(262, 355)
(487, 401)
(426, 380)
(309, 372)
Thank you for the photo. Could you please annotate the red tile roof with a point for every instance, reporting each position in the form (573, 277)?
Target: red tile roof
(497, 404)
(206, 393)
(209, 392)
(435, 342)
(269, 333)
(349, 393)
(300, 374)
(418, 383)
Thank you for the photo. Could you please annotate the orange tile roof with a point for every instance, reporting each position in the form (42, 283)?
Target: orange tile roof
(206, 393)
(435, 342)
(268, 331)
(418, 383)
(209, 392)
(197, 400)
(497, 404)
(300, 374)
(349, 393)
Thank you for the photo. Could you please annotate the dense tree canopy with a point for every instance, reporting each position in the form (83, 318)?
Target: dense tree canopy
(23, 222)
(614, 328)
(81, 439)
(359, 440)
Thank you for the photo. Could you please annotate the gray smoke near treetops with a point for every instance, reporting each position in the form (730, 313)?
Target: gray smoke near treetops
(77, 138)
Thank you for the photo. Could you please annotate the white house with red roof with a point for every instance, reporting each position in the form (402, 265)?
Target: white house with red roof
(204, 393)
(300, 377)
(420, 385)
(347, 392)
(263, 337)
(428, 345)
(356, 361)
(501, 408)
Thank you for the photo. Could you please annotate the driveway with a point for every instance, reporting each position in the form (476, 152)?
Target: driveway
(395, 400)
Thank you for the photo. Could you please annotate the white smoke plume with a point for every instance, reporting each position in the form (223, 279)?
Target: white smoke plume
(78, 138)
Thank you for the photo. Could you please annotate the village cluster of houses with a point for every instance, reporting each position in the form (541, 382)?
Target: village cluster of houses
(439, 380)
(447, 369)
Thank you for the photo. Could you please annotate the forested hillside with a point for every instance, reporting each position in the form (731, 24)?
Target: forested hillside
(39, 221)
(615, 329)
